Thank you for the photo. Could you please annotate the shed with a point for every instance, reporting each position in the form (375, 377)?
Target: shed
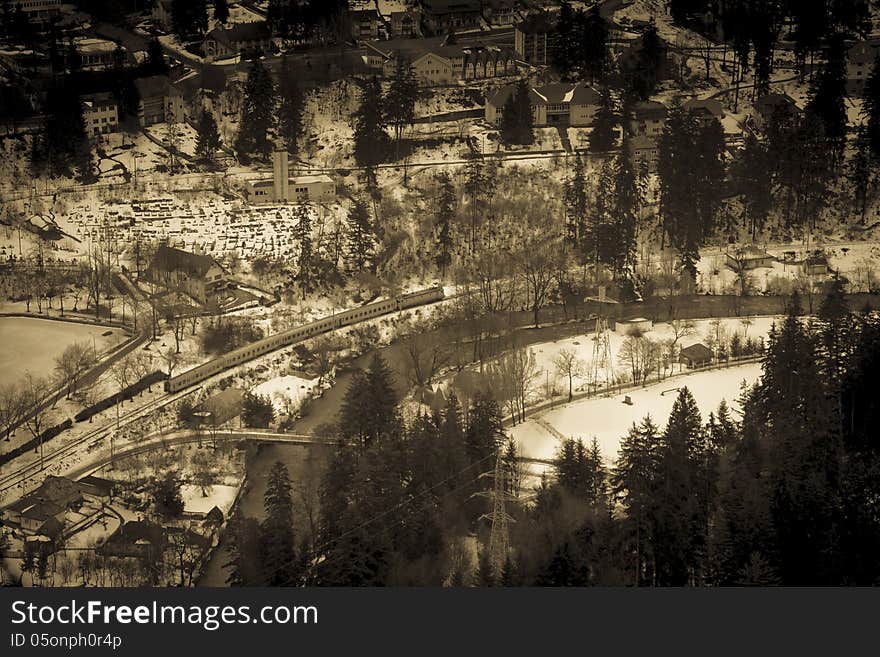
(696, 355)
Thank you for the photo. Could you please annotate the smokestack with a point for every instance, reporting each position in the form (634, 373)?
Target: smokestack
(280, 175)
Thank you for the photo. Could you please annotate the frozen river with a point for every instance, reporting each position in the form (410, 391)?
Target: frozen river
(608, 419)
(32, 344)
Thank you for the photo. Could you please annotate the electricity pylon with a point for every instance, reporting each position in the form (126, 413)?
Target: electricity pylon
(602, 366)
(499, 536)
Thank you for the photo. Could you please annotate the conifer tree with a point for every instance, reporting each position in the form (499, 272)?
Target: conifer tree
(360, 252)
(290, 109)
(257, 115)
(207, 137)
(369, 121)
(400, 100)
(303, 234)
(602, 138)
(277, 545)
(871, 107)
(221, 11)
(442, 222)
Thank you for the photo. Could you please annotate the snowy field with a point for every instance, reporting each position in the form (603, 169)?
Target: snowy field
(31, 345)
(286, 392)
(704, 331)
(608, 418)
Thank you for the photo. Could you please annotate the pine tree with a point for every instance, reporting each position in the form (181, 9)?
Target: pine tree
(475, 189)
(594, 46)
(277, 544)
(626, 204)
(753, 176)
(189, 20)
(525, 120)
(603, 137)
(303, 235)
(828, 96)
(634, 482)
(861, 171)
(208, 137)
(243, 541)
(369, 411)
(290, 109)
(370, 138)
(681, 504)
(156, 57)
(257, 115)
(361, 243)
(871, 107)
(400, 100)
(442, 223)
(576, 203)
(221, 11)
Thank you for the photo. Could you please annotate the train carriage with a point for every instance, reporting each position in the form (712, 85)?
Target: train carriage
(292, 336)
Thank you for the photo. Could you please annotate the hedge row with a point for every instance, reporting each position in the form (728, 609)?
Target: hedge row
(34, 443)
(122, 395)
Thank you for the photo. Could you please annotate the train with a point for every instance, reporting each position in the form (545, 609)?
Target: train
(300, 333)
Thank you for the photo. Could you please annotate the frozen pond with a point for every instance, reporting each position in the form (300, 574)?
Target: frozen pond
(608, 419)
(32, 344)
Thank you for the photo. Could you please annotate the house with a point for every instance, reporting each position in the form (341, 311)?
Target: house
(222, 407)
(196, 275)
(403, 24)
(644, 153)
(859, 63)
(634, 326)
(749, 257)
(139, 539)
(160, 100)
(214, 518)
(365, 24)
(707, 109)
(442, 16)
(770, 105)
(647, 119)
(448, 64)
(100, 113)
(816, 264)
(96, 487)
(228, 41)
(161, 14)
(558, 104)
(95, 54)
(38, 10)
(33, 516)
(695, 355)
(501, 12)
(534, 37)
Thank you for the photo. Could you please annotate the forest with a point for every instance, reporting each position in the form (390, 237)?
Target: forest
(783, 493)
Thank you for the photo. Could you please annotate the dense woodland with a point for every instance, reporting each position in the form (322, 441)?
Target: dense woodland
(783, 494)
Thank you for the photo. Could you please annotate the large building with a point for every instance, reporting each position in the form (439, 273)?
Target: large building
(38, 10)
(859, 62)
(558, 104)
(533, 38)
(437, 64)
(95, 54)
(160, 101)
(100, 114)
(441, 16)
(284, 188)
(193, 274)
(228, 41)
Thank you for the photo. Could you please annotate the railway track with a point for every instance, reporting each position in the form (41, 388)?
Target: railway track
(91, 439)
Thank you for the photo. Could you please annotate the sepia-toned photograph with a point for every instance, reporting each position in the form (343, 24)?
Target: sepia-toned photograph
(439, 294)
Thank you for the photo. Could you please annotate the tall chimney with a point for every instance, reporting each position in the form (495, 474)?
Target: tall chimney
(280, 175)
